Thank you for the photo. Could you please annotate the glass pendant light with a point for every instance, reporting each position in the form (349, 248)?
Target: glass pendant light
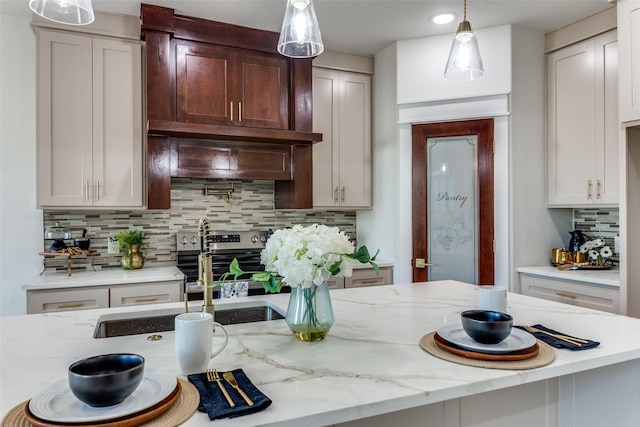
(300, 35)
(464, 61)
(72, 12)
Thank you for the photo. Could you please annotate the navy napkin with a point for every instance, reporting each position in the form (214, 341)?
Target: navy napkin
(557, 343)
(213, 402)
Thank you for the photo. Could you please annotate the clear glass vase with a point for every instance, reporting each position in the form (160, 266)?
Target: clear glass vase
(310, 314)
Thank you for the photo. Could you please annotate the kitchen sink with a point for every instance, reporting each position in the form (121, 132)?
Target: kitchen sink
(152, 321)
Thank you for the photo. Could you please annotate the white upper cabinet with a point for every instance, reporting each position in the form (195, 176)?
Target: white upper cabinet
(582, 140)
(629, 46)
(342, 160)
(90, 140)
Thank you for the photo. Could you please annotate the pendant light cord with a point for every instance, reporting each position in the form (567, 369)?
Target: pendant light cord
(465, 10)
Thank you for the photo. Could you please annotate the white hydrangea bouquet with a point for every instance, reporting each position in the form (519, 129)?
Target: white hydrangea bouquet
(305, 256)
(596, 250)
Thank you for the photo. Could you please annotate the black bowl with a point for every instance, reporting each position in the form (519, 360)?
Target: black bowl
(486, 327)
(107, 379)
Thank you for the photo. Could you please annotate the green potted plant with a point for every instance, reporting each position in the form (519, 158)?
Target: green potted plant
(131, 241)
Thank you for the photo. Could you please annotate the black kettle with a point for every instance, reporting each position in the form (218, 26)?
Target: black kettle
(577, 240)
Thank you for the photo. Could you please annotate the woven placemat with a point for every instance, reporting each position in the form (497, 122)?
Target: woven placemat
(184, 407)
(545, 355)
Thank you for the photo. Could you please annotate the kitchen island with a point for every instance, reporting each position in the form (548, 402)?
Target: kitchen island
(370, 370)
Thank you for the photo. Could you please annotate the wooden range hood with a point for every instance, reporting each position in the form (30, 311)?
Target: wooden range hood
(222, 103)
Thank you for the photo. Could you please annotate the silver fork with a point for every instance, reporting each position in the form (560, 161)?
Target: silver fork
(212, 375)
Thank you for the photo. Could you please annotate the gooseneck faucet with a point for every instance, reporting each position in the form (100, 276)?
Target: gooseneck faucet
(205, 266)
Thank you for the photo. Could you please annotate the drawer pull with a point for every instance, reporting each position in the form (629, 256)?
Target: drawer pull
(74, 305)
(146, 299)
(566, 295)
(369, 281)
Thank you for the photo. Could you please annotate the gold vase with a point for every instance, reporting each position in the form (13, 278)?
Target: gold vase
(133, 258)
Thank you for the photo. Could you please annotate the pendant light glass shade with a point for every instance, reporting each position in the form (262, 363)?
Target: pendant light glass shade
(300, 35)
(464, 61)
(72, 12)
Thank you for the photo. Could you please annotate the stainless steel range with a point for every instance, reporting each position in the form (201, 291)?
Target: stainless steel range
(225, 246)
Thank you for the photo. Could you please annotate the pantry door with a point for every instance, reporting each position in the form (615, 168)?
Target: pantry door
(453, 229)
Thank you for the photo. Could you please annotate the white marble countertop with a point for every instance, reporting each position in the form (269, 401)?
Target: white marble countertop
(593, 277)
(369, 364)
(110, 276)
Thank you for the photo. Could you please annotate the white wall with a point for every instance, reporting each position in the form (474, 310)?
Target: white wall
(533, 229)
(378, 228)
(20, 221)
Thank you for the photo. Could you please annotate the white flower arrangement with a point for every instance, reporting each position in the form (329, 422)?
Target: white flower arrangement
(305, 256)
(597, 251)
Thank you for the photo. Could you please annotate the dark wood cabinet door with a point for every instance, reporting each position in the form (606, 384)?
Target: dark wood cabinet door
(226, 86)
(263, 90)
(203, 84)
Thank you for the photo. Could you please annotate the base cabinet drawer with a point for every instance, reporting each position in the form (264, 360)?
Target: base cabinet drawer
(334, 282)
(67, 299)
(571, 292)
(152, 293)
(367, 277)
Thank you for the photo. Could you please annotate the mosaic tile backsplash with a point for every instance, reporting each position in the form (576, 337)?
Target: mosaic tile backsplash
(251, 208)
(598, 224)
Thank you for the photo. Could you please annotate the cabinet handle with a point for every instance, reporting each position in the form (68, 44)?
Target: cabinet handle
(566, 295)
(369, 281)
(335, 195)
(239, 111)
(231, 109)
(74, 305)
(342, 194)
(86, 191)
(98, 191)
(598, 189)
(589, 185)
(146, 299)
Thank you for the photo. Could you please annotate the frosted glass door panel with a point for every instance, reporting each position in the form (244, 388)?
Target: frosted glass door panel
(452, 208)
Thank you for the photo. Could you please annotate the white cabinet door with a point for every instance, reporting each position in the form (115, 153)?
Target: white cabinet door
(571, 292)
(148, 293)
(355, 141)
(64, 132)
(326, 153)
(582, 123)
(89, 121)
(629, 35)
(367, 277)
(342, 160)
(46, 301)
(117, 123)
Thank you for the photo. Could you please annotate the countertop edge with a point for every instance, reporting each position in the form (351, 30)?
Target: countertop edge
(609, 278)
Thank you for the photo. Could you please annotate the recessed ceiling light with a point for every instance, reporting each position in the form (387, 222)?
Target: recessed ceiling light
(443, 18)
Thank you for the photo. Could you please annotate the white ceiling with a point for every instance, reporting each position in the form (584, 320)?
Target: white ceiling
(366, 27)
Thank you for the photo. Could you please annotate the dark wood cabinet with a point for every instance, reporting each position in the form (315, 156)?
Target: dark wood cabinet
(227, 86)
(223, 103)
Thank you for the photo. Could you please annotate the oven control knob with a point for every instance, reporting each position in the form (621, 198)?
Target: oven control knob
(194, 240)
(254, 239)
(263, 238)
(183, 241)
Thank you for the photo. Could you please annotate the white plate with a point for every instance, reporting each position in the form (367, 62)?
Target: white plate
(517, 340)
(58, 404)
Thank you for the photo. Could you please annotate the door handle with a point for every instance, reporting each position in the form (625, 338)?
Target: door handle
(421, 263)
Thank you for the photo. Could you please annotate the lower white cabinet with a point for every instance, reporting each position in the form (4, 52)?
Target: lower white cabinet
(82, 298)
(147, 293)
(603, 298)
(362, 277)
(51, 300)
(368, 277)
